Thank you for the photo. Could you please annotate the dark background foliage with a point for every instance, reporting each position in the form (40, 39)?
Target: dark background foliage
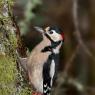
(77, 58)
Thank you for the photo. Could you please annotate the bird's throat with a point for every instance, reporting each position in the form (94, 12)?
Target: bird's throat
(54, 47)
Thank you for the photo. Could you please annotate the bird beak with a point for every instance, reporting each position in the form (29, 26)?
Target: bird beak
(39, 29)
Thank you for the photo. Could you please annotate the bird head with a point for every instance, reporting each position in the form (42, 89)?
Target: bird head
(53, 33)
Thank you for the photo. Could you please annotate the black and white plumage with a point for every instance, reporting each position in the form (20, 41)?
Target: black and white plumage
(43, 61)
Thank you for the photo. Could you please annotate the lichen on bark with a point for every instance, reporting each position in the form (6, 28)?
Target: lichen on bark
(10, 82)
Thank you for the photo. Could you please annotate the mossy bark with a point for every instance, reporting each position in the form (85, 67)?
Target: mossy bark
(11, 80)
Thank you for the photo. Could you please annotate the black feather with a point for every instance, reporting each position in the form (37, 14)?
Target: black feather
(46, 73)
(47, 48)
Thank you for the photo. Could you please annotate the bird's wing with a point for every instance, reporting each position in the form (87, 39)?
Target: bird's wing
(48, 74)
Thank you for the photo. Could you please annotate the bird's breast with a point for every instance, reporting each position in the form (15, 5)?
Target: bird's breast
(35, 68)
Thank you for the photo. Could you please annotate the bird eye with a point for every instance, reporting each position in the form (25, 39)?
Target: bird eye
(50, 32)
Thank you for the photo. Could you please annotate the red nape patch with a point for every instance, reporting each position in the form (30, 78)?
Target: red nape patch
(62, 34)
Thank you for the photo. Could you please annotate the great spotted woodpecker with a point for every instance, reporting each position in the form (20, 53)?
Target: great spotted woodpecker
(43, 61)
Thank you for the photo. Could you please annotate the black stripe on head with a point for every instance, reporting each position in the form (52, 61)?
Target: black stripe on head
(56, 28)
(49, 37)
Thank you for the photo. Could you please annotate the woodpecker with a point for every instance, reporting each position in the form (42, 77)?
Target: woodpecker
(43, 61)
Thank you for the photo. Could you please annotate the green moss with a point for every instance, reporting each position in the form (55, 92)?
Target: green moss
(7, 75)
(7, 70)
(26, 91)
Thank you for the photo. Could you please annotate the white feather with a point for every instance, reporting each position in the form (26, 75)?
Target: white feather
(55, 36)
(45, 85)
(52, 71)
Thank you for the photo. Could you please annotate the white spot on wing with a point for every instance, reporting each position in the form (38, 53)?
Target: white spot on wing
(45, 91)
(45, 85)
(49, 88)
(52, 70)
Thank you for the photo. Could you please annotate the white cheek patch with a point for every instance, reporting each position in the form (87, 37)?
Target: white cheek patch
(55, 36)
